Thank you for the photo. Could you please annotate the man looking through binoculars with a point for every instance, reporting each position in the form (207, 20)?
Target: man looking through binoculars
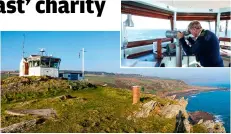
(205, 45)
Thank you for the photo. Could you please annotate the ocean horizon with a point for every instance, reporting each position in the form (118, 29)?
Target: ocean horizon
(212, 85)
(215, 102)
(218, 85)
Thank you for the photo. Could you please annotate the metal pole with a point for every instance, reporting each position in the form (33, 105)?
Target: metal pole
(178, 46)
(83, 63)
(226, 29)
(174, 21)
(178, 54)
(218, 24)
(124, 41)
(209, 25)
(23, 45)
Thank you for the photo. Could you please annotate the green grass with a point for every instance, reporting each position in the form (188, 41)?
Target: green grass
(95, 109)
(102, 79)
(154, 86)
(199, 129)
(5, 76)
(178, 89)
(15, 89)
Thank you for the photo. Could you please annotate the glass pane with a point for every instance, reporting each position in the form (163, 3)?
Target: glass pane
(54, 63)
(223, 27)
(34, 63)
(45, 62)
(146, 28)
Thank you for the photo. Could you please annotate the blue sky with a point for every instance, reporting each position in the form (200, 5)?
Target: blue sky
(102, 48)
(103, 54)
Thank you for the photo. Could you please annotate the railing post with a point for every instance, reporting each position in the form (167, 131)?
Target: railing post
(159, 47)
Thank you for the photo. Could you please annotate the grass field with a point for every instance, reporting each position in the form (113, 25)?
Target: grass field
(4, 76)
(94, 109)
(150, 85)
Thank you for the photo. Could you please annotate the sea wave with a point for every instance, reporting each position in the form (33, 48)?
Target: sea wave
(218, 118)
(193, 96)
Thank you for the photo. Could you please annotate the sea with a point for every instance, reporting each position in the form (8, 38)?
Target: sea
(215, 102)
(147, 34)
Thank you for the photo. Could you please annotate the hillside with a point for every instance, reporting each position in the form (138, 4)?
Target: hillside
(83, 107)
(158, 86)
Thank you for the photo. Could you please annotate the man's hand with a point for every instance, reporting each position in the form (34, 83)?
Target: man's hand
(180, 35)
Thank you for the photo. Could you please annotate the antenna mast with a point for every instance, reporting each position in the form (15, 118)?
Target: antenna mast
(83, 62)
(23, 52)
(42, 50)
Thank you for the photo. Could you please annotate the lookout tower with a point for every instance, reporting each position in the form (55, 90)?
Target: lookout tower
(40, 65)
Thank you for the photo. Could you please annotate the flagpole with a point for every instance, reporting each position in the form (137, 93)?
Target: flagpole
(83, 63)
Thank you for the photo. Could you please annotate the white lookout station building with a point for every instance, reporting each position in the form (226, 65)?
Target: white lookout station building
(40, 65)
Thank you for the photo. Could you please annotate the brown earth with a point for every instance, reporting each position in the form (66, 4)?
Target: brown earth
(195, 117)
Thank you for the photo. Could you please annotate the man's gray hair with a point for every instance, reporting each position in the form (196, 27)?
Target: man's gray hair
(194, 24)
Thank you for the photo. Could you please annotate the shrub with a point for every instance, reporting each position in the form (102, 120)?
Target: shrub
(77, 85)
(24, 88)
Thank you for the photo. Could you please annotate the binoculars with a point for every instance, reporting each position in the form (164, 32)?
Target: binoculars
(173, 34)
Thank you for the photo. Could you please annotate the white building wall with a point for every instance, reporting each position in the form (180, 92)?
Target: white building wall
(21, 68)
(39, 71)
(53, 72)
(34, 71)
